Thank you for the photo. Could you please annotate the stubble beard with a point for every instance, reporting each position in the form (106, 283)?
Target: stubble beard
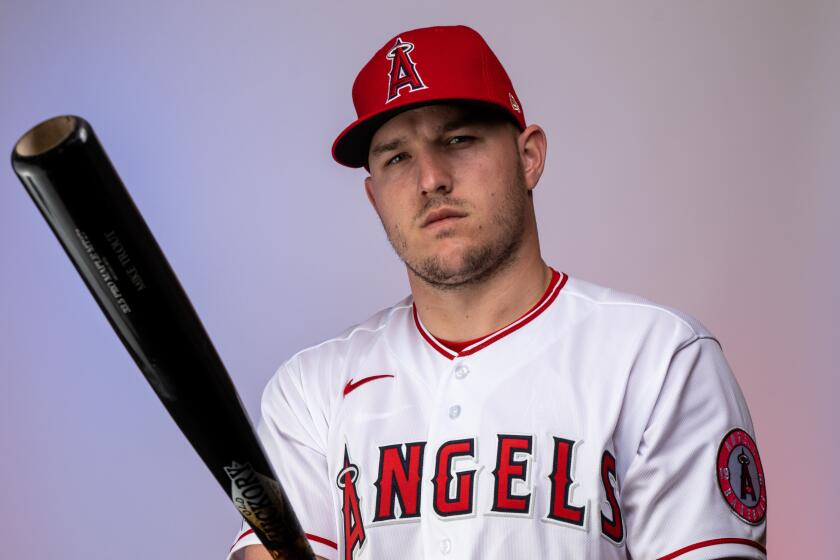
(478, 262)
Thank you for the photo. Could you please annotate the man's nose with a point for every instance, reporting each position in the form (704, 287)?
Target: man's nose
(434, 176)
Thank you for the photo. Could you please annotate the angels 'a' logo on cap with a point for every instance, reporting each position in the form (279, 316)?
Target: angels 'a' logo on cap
(741, 476)
(403, 73)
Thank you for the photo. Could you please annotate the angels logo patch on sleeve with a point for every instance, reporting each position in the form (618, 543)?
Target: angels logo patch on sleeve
(741, 476)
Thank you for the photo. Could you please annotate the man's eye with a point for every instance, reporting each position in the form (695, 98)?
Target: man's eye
(396, 159)
(459, 139)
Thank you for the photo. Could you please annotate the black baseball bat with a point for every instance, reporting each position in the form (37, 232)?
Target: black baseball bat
(68, 175)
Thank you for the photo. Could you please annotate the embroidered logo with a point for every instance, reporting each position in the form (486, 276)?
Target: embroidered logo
(513, 103)
(351, 386)
(403, 73)
(351, 511)
(741, 476)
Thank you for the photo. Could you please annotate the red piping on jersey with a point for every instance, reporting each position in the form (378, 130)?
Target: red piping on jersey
(713, 542)
(457, 346)
(321, 540)
(309, 536)
(558, 280)
(242, 536)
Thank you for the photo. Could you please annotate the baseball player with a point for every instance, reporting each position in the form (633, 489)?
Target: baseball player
(504, 409)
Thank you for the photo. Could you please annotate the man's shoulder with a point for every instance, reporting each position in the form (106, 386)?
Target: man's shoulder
(357, 338)
(627, 309)
(317, 374)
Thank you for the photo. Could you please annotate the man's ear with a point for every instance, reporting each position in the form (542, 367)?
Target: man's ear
(369, 192)
(533, 145)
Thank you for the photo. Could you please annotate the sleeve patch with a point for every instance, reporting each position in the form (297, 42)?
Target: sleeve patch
(740, 476)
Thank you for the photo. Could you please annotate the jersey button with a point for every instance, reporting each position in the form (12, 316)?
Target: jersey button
(454, 411)
(445, 546)
(461, 371)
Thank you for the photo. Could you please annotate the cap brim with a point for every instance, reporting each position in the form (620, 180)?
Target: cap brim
(351, 147)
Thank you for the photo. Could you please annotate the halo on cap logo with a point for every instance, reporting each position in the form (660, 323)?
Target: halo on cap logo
(741, 476)
(403, 72)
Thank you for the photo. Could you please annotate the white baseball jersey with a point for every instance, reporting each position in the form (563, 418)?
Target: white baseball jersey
(597, 425)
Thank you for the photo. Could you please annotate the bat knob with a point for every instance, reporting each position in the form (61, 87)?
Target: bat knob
(46, 136)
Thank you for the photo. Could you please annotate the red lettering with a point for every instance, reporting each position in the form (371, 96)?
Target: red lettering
(354, 529)
(613, 528)
(399, 479)
(462, 502)
(507, 470)
(561, 483)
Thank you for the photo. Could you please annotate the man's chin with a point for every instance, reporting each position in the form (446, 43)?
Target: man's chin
(453, 272)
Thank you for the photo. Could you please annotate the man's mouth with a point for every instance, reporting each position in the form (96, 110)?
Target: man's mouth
(442, 215)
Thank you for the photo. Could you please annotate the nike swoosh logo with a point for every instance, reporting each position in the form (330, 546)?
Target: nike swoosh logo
(353, 386)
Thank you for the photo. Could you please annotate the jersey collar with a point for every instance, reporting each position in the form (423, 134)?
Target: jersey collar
(558, 280)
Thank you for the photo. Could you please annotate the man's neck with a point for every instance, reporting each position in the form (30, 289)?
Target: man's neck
(479, 309)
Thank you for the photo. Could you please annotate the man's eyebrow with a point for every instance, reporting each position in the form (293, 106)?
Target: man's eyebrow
(392, 145)
(455, 124)
(383, 147)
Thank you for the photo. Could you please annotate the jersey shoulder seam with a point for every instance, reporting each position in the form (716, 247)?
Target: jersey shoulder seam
(696, 338)
(353, 331)
(649, 305)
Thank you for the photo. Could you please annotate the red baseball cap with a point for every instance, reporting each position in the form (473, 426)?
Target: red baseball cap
(419, 67)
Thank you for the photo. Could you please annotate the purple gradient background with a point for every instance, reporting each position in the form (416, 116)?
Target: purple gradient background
(693, 159)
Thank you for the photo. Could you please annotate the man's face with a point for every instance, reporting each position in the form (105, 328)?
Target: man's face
(448, 185)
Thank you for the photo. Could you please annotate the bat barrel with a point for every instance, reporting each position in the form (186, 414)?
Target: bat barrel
(65, 170)
(69, 177)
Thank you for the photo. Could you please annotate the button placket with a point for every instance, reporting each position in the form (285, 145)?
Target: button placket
(461, 371)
